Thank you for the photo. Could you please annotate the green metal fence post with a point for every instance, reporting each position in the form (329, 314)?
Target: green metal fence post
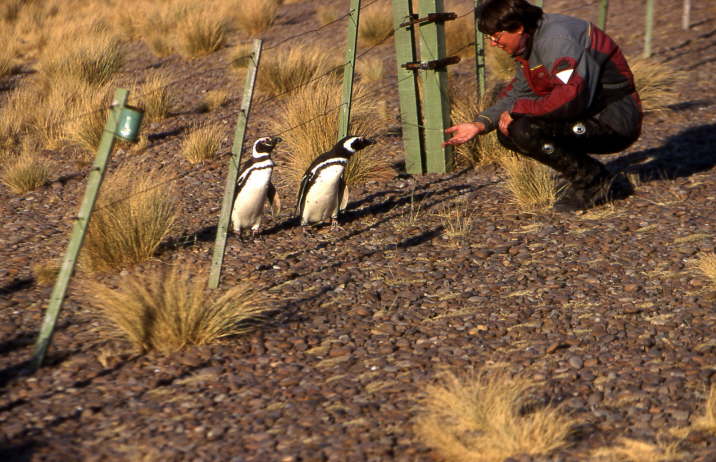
(603, 9)
(436, 113)
(479, 57)
(408, 87)
(79, 228)
(233, 170)
(344, 115)
(649, 27)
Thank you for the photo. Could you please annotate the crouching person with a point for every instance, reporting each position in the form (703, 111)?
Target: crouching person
(573, 94)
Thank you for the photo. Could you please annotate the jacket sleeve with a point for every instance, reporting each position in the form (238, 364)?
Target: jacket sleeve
(574, 80)
(517, 89)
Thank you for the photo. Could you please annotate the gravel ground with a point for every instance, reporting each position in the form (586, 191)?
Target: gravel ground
(604, 309)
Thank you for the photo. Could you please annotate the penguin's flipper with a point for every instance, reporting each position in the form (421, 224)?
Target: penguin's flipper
(345, 193)
(274, 199)
(302, 193)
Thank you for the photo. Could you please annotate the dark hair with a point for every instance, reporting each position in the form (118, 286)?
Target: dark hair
(508, 15)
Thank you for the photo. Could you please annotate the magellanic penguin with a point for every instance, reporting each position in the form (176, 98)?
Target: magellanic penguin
(321, 194)
(254, 188)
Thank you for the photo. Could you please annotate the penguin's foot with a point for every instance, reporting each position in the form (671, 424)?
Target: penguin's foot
(335, 224)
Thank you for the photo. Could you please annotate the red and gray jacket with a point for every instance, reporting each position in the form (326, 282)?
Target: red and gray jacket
(570, 70)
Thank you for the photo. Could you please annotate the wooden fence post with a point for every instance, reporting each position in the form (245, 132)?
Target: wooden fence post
(649, 27)
(344, 115)
(436, 114)
(408, 86)
(233, 170)
(603, 9)
(479, 57)
(79, 228)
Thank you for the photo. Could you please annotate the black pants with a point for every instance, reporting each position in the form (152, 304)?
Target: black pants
(564, 146)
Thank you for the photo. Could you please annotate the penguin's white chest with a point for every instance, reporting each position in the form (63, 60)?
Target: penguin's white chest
(249, 203)
(322, 198)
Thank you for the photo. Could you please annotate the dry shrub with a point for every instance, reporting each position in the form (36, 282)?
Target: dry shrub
(656, 83)
(202, 144)
(134, 213)
(630, 450)
(376, 24)
(167, 310)
(201, 34)
(27, 172)
(706, 263)
(154, 98)
(45, 273)
(488, 417)
(287, 70)
(326, 14)
(213, 100)
(312, 114)
(256, 16)
(370, 69)
(532, 184)
(92, 58)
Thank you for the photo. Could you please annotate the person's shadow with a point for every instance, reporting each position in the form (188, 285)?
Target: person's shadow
(688, 152)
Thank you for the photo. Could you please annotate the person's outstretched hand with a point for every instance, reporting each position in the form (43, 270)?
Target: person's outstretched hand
(462, 133)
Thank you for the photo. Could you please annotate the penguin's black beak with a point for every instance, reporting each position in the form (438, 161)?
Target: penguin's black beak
(369, 141)
(276, 140)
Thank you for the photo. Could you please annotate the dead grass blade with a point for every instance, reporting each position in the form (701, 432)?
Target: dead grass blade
(630, 450)
(707, 421)
(94, 58)
(201, 33)
(488, 417)
(135, 212)
(256, 16)
(289, 69)
(706, 263)
(168, 309)
(457, 221)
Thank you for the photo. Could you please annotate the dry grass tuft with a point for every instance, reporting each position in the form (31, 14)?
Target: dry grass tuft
(287, 70)
(85, 127)
(706, 263)
(94, 59)
(488, 417)
(630, 450)
(202, 144)
(213, 100)
(240, 55)
(45, 273)
(155, 98)
(532, 184)
(312, 110)
(134, 213)
(457, 221)
(256, 16)
(8, 62)
(370, 69)
(167, 310)
(459, 35)
(499, 65)
(413, 215)
(25, 173)
(201, 34)
(656, 83)
(376, 24)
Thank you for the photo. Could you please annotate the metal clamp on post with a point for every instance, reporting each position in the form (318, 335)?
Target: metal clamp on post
(431, 17)
(432, 65)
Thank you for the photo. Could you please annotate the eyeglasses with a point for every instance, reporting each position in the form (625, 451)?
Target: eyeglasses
(495, 38)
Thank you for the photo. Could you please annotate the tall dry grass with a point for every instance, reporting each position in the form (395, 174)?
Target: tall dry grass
(460, 37)
(707, 420)
(313, 111)
(166, 310)
(134, 213)
(288, 69)
(326, 14)
(533, 185)
(26, 173)
(371, 69)
(457, 221)
(706, 264)
(255, 17)
(376, 24)
(656, 83)
(487, 418)
(202, 144)
(201, 33)
(92, 58)
(154, 97)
